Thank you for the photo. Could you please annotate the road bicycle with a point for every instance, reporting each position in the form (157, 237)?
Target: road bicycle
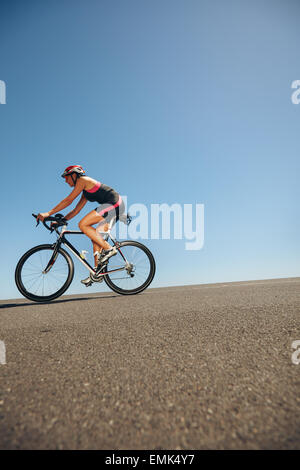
(46, 271)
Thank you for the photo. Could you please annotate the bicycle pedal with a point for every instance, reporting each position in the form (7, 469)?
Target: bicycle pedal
(87, 282)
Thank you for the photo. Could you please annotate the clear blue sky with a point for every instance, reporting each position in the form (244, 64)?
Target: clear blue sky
(167, 101)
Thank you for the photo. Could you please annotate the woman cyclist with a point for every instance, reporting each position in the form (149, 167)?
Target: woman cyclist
(111, 205)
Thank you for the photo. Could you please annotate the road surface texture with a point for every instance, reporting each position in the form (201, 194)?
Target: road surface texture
(195, 367)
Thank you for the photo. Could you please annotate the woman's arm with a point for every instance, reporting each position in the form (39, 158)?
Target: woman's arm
(77, 209)
(65, 202)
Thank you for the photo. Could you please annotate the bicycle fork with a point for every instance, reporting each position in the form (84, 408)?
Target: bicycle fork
(52, 260)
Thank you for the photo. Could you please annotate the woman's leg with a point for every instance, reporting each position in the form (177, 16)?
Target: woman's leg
(96, 250)
(98, 243)
(85, 226)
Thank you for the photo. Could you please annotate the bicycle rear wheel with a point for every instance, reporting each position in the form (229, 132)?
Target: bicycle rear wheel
(135, 268)
(34, 282)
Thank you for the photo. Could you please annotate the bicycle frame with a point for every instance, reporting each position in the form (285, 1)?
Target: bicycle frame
(62, 240)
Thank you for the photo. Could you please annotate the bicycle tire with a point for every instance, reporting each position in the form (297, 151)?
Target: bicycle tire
(152, 268)
(43, 298)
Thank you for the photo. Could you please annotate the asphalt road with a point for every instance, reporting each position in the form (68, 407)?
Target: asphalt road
(196, 367)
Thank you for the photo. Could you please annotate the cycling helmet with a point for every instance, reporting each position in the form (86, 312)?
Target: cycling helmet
(73, 169)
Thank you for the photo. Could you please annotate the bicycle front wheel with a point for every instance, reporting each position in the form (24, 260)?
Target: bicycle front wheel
(44, 273)
(131, 270)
